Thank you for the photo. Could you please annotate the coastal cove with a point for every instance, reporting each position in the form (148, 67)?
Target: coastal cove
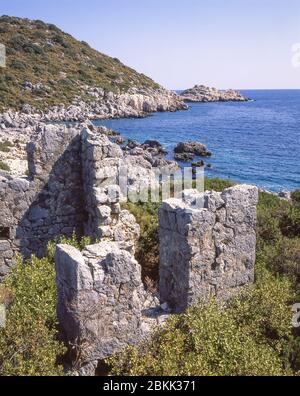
(254, 142)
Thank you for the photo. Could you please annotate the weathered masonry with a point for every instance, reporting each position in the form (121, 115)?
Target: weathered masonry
(66, 191)
(207, 240)
(208, 251)
(204, 252)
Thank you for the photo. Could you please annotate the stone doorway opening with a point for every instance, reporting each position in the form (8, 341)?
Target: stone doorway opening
(4, 233)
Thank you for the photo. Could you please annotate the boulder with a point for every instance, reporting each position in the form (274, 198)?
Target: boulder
(196, 148)
(132, 144)
(184, 157)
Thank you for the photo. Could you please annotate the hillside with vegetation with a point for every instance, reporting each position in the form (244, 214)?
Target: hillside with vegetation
(47, 67)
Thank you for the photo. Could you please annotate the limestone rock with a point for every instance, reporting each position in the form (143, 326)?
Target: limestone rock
(192, 148)
(201, 93)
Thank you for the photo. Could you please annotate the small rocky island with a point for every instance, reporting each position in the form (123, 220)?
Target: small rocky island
(187, 151)
(201, 93)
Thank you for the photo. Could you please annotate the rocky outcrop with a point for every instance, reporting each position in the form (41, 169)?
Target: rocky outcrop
(207, 245)
(187, 151)
(135, 103)
(150, 151)
(184, 157)
(201, 93)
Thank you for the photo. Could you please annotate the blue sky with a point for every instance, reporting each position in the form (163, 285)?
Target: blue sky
(223, 43)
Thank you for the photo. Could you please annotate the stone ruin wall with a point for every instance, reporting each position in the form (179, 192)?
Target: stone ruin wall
(66, 191)
(102, 304)
(102, 161)
(46, 204)
(206, 251)
(101, 300)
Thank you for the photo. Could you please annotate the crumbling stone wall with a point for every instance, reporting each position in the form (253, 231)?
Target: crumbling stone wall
(72, 186)
(49, 202)
(102, 173)
(210, 250)
(100, 301)
(207, 248)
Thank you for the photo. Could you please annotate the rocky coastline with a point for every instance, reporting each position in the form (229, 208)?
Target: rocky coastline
(201, 93)
(102, 105)
(19, 129)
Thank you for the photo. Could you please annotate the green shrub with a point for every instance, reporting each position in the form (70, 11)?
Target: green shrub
(4, 166)
(147, 253)
(33, 48)
(40, 24)
(290, 221)
(296, 196)
(251, 336)
(282, 257)
(29, 344)
(4, 29)
(18, 65)
(17, 42)
(217, 184)
(278, 243)
(5, 146)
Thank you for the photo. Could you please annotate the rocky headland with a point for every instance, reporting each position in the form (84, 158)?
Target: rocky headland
(201, 93)
(103, 105)
(51, 76)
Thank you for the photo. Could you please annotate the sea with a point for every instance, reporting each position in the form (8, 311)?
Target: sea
(255, 142)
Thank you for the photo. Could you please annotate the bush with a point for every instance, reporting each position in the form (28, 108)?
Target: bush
(59, 39)
(4, 166)
(32, 48)
(40, 24)
(4, 29)
(217, 184)
(29, 344)
(147, 253)
(18, 65)
(296, 196)
(17, 42)
(5, 146)
(290, 221)
(278, 243)
(251, 336)
(282, 257)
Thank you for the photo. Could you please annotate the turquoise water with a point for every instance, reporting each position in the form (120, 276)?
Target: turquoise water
(254, 142)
